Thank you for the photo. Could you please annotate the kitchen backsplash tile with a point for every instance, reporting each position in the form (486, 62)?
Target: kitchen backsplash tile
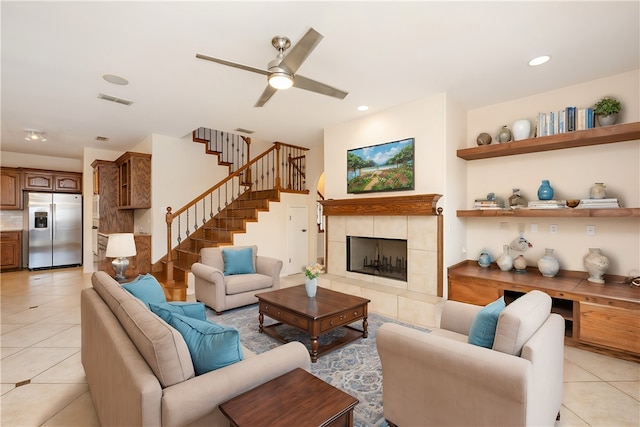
(11, 220)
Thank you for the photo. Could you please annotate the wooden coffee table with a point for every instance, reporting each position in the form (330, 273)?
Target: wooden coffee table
(327, 311)
(296, 398)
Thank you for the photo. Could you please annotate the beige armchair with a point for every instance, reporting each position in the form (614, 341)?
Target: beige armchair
(439, 379)
(223, 292)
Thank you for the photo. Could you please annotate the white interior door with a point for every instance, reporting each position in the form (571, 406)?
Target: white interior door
(298, 238)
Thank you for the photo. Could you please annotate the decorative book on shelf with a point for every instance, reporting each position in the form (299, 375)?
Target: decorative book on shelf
(599, 203)
(547, 204)
(488, 204)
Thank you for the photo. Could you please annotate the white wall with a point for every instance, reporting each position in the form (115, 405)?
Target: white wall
(441, 126)
(180, 171)
(571, 173)
(438, 125)
(270, 232)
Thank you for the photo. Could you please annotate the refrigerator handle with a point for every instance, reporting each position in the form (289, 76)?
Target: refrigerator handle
(53, 221)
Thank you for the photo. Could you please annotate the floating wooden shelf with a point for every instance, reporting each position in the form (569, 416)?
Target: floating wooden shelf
(551, 213)
(580, 138)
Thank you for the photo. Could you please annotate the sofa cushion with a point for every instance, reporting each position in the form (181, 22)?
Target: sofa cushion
(211, 346)
(238, 284)
(195, 310)
(147, 289)
(213, 256)
(520, 320)
(162, 347)
(238, 261)
(483, 328)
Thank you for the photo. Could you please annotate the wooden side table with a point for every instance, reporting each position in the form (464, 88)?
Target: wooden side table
(296, 398)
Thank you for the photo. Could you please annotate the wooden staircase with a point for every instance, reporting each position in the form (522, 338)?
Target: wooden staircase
(218, 231)
(214, 217)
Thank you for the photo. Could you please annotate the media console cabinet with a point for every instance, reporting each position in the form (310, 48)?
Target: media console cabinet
(600, 317)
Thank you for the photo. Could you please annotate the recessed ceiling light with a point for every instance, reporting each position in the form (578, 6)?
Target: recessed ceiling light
(363, 108)
(539, 60)
(116, 80)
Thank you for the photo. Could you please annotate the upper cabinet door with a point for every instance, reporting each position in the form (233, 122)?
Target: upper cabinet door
(10, 189)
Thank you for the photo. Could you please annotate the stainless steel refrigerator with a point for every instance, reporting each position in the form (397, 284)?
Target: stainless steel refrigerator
(55, 230)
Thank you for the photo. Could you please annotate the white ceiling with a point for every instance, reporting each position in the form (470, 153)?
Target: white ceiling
(54, 55)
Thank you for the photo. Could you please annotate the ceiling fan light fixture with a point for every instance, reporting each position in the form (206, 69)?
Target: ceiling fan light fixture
(280, 80)
(34, 135)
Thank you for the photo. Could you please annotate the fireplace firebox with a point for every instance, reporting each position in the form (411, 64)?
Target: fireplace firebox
(377, 257)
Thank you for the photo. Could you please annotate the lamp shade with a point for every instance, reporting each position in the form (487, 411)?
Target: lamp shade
(121, 245)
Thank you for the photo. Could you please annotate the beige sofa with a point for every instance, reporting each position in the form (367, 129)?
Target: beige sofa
(437, 379)
(140, 372)
(222, 292)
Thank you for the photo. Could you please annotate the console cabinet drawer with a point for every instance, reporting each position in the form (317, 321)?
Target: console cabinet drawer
(472, 294)
(610, 326)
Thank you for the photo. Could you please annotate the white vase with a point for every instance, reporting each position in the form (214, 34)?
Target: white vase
(521, 129)
(311, 286)
(596, 265)
(505, 261)
(548, 264)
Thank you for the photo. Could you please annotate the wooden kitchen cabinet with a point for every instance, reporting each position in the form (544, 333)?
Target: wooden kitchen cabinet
(10, 250)
(55, 181)
(10, 189)
(134, 181)
(111, 219)
(67, 182)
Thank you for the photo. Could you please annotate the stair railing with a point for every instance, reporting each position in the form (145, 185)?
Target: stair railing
(282, 167)
(233, 150)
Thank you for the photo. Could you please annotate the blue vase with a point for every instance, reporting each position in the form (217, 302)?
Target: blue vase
(484, 260)
(545, 192)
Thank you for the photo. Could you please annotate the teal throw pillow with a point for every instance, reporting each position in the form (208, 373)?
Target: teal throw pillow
(211, 346)
(195, 310)
(147, 289)
(238, 261)
(483, 328)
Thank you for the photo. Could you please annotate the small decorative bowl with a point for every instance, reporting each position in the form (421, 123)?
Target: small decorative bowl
(572, 203)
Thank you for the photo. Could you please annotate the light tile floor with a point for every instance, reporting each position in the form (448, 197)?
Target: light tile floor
(43, 382)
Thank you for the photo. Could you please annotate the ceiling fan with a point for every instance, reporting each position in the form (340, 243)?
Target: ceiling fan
(281, 72)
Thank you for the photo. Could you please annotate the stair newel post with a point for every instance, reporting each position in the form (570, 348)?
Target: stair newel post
(169, 272)
(247, 176)
(278, 182)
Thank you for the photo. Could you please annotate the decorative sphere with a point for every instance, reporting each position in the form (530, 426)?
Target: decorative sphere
(483, 139)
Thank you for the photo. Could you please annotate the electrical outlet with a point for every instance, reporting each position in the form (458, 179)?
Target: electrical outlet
(553, 229)
(534, 228)
(504, 226)
(591, 230)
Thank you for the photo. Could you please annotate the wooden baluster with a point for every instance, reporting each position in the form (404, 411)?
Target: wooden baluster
(169, 272)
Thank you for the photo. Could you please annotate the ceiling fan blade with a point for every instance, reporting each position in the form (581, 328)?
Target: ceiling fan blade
(233, 64)
(298, 53)
(266, 95)
(302, 82)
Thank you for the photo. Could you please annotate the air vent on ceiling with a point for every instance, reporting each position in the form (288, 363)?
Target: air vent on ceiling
(241, 130)
(114, 99)
(102, 138)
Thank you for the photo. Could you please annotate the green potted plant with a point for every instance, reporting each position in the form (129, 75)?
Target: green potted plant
(606, 110)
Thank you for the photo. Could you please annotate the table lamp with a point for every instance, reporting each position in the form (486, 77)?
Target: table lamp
(120, 246)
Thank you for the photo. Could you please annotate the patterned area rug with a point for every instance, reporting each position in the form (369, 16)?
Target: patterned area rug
(354, 368)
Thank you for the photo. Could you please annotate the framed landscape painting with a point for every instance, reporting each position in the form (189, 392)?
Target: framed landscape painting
(382, 167)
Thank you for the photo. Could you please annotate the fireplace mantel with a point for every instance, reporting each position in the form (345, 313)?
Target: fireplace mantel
(421, 204)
